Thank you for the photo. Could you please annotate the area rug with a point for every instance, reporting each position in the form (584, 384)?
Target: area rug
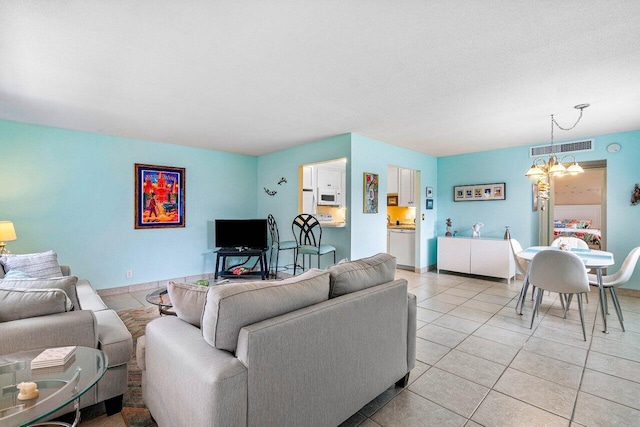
(134, 411)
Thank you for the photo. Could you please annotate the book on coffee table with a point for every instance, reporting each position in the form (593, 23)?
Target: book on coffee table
(57, 356)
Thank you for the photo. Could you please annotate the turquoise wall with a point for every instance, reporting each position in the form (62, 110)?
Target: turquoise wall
(284, 205)
(73, 192)
(509, 166)
(369, 231)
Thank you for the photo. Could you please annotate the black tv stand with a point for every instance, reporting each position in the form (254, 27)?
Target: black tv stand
(241, 252)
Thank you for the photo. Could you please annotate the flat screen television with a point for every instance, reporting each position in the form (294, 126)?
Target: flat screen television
(241, 233)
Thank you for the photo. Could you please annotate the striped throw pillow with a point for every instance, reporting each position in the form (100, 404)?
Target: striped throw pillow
(42, 265)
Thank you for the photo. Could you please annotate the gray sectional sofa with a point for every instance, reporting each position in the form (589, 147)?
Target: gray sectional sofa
(90, 323)
(310, 350)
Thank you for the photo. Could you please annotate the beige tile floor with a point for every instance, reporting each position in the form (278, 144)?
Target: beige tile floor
(479, 364)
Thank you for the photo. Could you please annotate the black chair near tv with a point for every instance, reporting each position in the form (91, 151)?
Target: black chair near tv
(277, 245)
(305, 227)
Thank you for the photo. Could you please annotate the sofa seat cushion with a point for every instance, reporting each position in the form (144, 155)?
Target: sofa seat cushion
(43, 265)
(67, 284)
(188, 301)
(360, 274)
(231, 307)
(25, 303)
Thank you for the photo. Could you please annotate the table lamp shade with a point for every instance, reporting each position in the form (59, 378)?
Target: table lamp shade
(7, 232)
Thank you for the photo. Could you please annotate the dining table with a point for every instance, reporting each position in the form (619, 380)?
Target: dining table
(592, 258)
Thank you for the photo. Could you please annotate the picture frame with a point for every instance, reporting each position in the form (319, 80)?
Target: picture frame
(534, 194)
(429, 204)
(479, 192)
(429, 192)
(159, 196)
(370, 196)
(392, 200)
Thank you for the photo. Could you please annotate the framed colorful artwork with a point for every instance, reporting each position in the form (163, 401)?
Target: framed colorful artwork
(479, 192)
(159, 196)
(370, 203)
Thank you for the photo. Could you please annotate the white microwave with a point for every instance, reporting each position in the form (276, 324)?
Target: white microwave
(328, 197)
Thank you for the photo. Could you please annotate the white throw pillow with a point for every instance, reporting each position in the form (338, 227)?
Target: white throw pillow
(188, 301)
(67, 284)
(43, 265)
(25, 303)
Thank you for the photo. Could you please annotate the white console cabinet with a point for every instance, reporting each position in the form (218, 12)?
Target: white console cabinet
(484, 257)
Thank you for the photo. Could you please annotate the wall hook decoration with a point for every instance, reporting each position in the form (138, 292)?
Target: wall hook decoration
(269, 192)
(283, 179)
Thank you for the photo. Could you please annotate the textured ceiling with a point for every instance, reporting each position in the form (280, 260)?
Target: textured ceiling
(253, 77)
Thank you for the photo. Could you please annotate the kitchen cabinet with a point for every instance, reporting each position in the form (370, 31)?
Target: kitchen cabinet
(330, 179)
(392, 180)
(401, 244)
(406, 187)
(484, 257)
(307, 177)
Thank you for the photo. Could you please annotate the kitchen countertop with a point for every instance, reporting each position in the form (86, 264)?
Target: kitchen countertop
(401, 227)
(335, 224)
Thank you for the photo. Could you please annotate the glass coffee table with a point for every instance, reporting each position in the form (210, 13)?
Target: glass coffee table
(160, 297)
(57, 386)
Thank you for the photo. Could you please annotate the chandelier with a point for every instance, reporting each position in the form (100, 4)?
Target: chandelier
(542, 170)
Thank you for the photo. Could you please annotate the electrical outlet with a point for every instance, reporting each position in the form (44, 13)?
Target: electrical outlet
(129, 274)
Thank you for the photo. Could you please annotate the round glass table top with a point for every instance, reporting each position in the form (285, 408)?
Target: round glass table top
(57, 386)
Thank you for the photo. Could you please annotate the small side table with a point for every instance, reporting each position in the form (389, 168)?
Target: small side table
(160, 297)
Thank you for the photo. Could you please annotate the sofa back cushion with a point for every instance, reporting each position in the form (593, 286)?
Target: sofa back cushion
(232, 306)
(43, 265)
(67, 284)
(24, 303)
(188, 301)
(360, 274)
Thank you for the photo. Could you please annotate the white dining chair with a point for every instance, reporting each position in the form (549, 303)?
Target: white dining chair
(523, 267)
(573, 242)
(619, 278)
(558, 271)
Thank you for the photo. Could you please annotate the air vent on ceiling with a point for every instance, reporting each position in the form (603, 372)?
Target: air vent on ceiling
(562, 148)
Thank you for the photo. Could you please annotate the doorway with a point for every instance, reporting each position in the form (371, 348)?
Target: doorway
(578, 205)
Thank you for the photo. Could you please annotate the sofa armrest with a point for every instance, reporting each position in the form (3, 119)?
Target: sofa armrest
(54, 330)
(189, 382)
(412, 326)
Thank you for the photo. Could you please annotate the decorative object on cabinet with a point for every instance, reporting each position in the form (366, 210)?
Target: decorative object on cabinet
(635, 197)
(159, 196)
(476, 229)
(476, 192)
(7, 234)
(507, 233)
(448, 233)
(392, 200)
(429, 203)
(429, 192)
(370, 193)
